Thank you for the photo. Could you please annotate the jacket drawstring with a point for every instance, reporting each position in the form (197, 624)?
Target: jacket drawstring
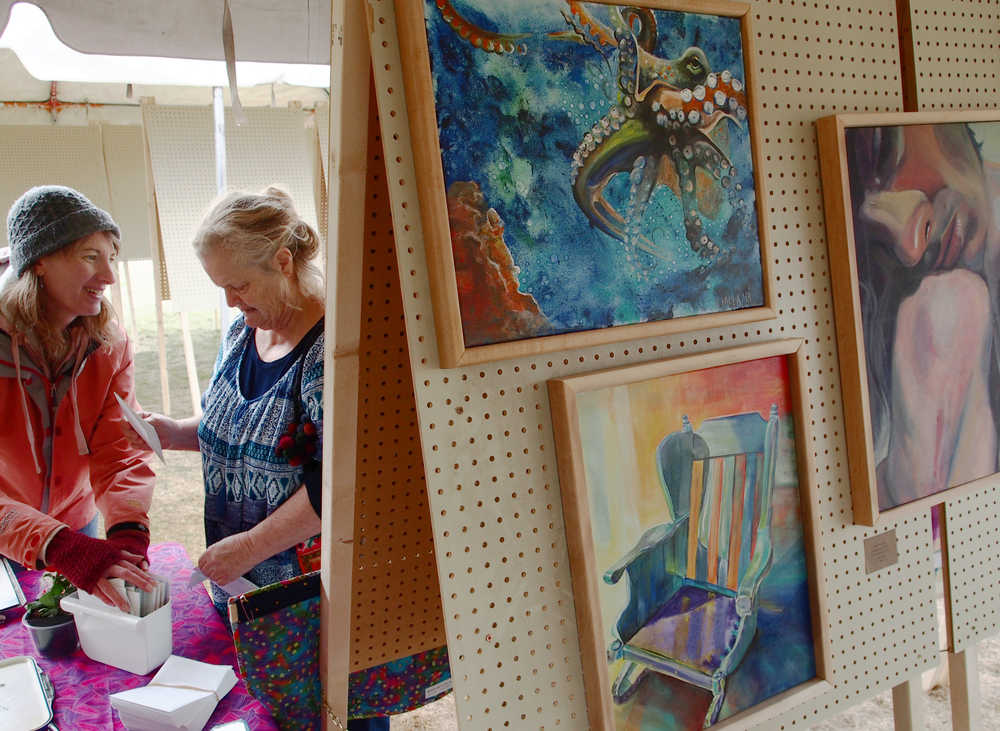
(81, 441)
(24, 406)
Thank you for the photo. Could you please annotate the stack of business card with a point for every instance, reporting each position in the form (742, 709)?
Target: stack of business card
(180, 697)
(142, 602)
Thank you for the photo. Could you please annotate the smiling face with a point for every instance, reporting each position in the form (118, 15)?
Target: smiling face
(927, 201)
(262, 296)
(75, 278)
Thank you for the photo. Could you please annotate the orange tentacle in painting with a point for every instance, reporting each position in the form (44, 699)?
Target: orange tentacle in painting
(587, 26)
(487, 40)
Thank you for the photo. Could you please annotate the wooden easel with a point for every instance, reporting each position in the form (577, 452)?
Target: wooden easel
(377, 538)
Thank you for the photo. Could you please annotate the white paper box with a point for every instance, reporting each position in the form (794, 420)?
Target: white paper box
(180, 697)
(25, 702)
(108, 635)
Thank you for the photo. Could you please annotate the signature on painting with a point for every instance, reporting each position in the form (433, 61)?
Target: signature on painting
(735, 301)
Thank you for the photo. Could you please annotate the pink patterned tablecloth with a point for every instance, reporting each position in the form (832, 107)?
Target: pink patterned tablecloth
(83, 685)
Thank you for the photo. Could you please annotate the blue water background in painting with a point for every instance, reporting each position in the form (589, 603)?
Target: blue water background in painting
(512, 122)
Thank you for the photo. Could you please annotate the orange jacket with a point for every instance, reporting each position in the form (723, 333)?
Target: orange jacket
(63, 452)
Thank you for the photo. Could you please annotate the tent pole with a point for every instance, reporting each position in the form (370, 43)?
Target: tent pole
(219, 118)
(152, 215)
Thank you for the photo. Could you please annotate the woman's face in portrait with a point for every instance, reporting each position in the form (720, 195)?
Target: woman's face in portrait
(75, 277)
(926, 199)
(258, 294)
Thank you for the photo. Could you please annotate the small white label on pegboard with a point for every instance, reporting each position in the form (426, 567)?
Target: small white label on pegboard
(881, 551)
(437, 688)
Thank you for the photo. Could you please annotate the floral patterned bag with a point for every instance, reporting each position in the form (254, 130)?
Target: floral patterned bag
(276, 631)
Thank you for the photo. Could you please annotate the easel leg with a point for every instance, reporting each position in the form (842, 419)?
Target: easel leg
(350, 77)
(161, 341)
(189, 362)
(116, 300)
(965, 700)
(126, 279)
(908, 706)
(153, 217)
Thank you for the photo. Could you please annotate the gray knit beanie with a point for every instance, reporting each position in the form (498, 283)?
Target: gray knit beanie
(49, 217)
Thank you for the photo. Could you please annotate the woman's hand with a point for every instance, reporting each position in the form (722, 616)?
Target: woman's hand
(172, 433)
(293, 522)
(228, 559)
(126, 568)
(90, 563)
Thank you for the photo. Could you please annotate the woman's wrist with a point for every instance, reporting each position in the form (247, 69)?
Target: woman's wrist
(177, 434)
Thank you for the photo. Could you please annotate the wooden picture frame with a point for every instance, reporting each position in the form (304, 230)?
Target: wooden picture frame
(507, 203)
(635, 472)
(907, 198)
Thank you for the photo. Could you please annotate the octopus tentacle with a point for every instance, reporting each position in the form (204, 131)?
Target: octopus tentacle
(642, 181)
(487, 40)
(606, 151)
(647, 32)
(584, 26)
(699, 151)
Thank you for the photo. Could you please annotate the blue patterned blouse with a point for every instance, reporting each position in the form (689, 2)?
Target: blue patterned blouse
(244, 480)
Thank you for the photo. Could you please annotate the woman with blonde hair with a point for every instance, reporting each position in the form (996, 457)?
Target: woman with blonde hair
(262, 493)
(261, 432)
(62, 362)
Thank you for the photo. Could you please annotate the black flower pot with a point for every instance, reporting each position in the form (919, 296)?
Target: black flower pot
(52, 636)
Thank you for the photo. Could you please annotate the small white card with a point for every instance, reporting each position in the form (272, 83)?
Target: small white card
(144, 430)
(233, 588)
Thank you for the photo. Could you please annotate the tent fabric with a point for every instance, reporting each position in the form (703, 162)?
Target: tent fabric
(279, 31)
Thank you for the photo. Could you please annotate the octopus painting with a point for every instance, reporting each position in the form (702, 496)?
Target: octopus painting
(611, 139)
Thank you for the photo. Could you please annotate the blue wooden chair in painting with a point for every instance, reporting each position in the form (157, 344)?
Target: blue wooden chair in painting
(693, 582)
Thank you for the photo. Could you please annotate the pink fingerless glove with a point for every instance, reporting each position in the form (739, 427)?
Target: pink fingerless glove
(81, 559)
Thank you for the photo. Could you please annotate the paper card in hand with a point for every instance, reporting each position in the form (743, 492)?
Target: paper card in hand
(144, 430)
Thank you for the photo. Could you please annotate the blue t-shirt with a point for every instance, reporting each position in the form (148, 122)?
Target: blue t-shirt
(257, 377)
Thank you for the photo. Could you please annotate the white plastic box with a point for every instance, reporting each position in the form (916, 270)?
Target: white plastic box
(108, 635)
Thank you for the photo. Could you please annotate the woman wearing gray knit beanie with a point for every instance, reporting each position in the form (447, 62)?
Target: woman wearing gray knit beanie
(62, 361)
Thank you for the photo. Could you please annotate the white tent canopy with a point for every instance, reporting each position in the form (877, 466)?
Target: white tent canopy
(277, 31)
(30, 33)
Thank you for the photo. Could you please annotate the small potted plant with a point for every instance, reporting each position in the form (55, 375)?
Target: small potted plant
(53, 631)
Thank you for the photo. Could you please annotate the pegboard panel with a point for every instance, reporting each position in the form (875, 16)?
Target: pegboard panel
(956, 54)
(47, 155)
(486, 430)
(395, 581)
(182, 155)
(973, 566)
(126, 164)
(272, 147)
(956, 65)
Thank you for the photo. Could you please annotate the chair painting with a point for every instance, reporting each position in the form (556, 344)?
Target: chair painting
(693, 582)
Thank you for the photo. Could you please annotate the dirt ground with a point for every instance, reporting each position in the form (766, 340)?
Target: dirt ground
(177, 511)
